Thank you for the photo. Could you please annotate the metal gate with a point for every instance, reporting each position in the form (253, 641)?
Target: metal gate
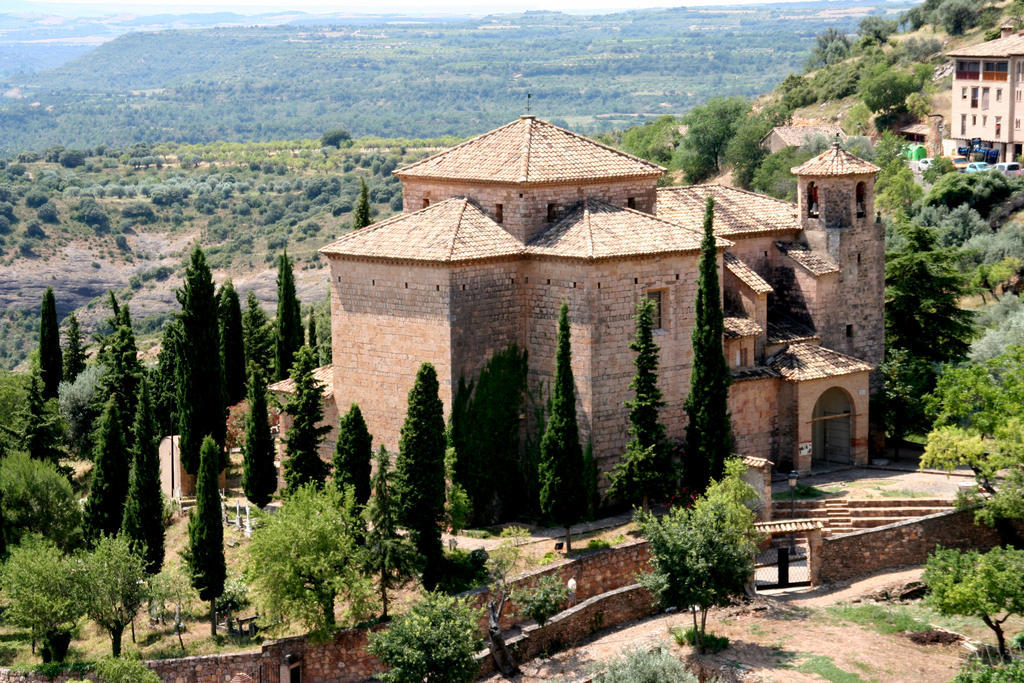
(781, 567)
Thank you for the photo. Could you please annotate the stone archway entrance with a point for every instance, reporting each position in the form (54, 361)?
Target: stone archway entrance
(832, 420)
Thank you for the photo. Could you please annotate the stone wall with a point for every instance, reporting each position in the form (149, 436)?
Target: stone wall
(754, 405)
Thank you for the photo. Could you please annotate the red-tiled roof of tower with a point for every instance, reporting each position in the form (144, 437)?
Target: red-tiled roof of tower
(1000, 47)
(788, 331)
(455, 229)
(737, 212)
(745, 273)
(595, 229)
(529, 150)
(737, 328)
(752, 373)
(803, 362)
(835, 161)
(324, 375)
(815, 262)
(794, 136)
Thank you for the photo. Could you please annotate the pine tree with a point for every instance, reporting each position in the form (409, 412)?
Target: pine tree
(143, 522)
(361, 214)
(49, 345)
(259, 476)
(419, 472)
(74, 354)
(105, 505)
(561, 458)
(257, 336)
(352, 454)
(389, 555)
(205, 552)
(302, 443)
(43, 432)
(289, 319)
(646, 467)
(709, 438)
(120, 355)
(200, 389)
(232, 350)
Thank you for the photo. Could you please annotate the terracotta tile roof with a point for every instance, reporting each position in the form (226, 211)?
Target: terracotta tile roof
(752, 461)
(323, 375)
(529, 150)
(786, 526)
(802, 362)
(452, 230)
(783, 330)
(815, 262)
(835, 161)
(737, 212)
(794, 136)
(917, 129)
(595, 229)
(1000, 47)
(756, 372)
(737, 328)
(745, 273)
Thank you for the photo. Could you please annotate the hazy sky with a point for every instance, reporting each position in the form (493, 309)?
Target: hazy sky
(434, 7)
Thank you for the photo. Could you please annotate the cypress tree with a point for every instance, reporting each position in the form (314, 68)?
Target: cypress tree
(562, 494)
(165, 383)
(419, 472)
(257, 336)
(352, 454)
(312, 332)
(43, 433)
(302, 444)
(143, 522)
(105, 505)
(200, 389)
(120, 355)
(49, 345)
(74, 354)
(289, 319)
(259, 476)
(389, 554)
(646, 467)
(709, 438)
(205, 552)
(232, 350)
(361, 214)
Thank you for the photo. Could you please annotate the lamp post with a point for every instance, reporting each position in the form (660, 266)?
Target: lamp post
(792, 480)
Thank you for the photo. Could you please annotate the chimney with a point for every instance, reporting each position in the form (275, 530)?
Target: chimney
(1006, 30)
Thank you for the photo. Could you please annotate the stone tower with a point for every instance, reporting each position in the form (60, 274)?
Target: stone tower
(836, 204)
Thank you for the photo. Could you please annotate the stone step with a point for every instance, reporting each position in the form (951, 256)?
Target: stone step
(899, 512)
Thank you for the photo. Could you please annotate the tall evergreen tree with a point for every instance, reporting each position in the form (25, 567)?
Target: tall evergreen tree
(289, 319)
(259, 476)
(205, 552)
(646, 467)
(201, 409)
(389, 555)
(562, 493)
(352, 454)
(709, 438)
(302, 443)
(361, 214)
(257, 336)
(165, 380)
(43, 429)
(143, 522)
(49, 345)
(105, 505)
(120, 355)
(419, 472)
(74, 353)
(232, 350)
(312, 332)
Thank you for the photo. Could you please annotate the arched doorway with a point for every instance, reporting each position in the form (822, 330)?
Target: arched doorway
(833, 419)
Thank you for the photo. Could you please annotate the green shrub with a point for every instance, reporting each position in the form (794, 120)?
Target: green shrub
(124, 670)
(977, 671)
(544, 601)
(463, 570)
(645, 666)
(712, 643)
(598, 544)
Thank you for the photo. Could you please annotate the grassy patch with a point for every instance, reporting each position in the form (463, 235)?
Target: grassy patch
(476, 533)
(885, 620)
(904, 493)
(823, 666)
(805, 492)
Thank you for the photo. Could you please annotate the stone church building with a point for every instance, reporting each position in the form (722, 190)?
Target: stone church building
(498, 231)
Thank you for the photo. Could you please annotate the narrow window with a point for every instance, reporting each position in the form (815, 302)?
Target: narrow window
(656, 318)
(963, 124)
(1018, 95)
(551, 213)
(1016, 124)
(858, 258)
(426, 202)
(849, 330)
(974, 98)
(812, 200)
(630, 202)
(999, 94)
(745, 358)
(984, 98)
(963, 93)
(999, 126)
(739, 358)
(861, 208)
(499, 213)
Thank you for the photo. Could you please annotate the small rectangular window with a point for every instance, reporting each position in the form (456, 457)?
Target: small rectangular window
(984, 98)
(849, 330)
(745, 357)
(426, 202)
(630, 202)
(656, 298)
(551, 213)
(499, 213)
(963, 93)
(999, 94)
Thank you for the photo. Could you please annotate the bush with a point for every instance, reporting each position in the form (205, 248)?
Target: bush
(124, 670)
(645, 666)
(92, 214)
(544, 601)
(712, 643)
(35, 230)
(38, 499)
(35, 198)
(48, 213)
(464, 571)
(977, 671)
(957, 16)
(71, 158)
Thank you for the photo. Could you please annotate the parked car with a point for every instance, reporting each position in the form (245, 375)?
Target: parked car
(960, 163)
(924, 164)
(1009, 168)
(977, 167)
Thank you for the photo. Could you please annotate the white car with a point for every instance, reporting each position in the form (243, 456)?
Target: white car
(924, 164)
(1009, 168)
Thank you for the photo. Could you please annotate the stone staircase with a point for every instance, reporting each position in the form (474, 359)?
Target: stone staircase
(842, 515)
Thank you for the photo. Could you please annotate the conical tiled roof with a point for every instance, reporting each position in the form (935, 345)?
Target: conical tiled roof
(529, 150)
(595, 229)
(453, 230)
(835, 161)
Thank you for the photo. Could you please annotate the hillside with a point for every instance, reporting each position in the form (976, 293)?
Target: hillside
(284, 82)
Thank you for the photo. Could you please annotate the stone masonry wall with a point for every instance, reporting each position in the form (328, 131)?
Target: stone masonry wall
(754, 405)
(486, 315)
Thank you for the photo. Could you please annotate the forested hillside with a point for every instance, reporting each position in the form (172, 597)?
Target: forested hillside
(269, 83)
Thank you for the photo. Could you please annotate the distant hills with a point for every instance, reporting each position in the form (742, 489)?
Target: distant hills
(385, 76)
